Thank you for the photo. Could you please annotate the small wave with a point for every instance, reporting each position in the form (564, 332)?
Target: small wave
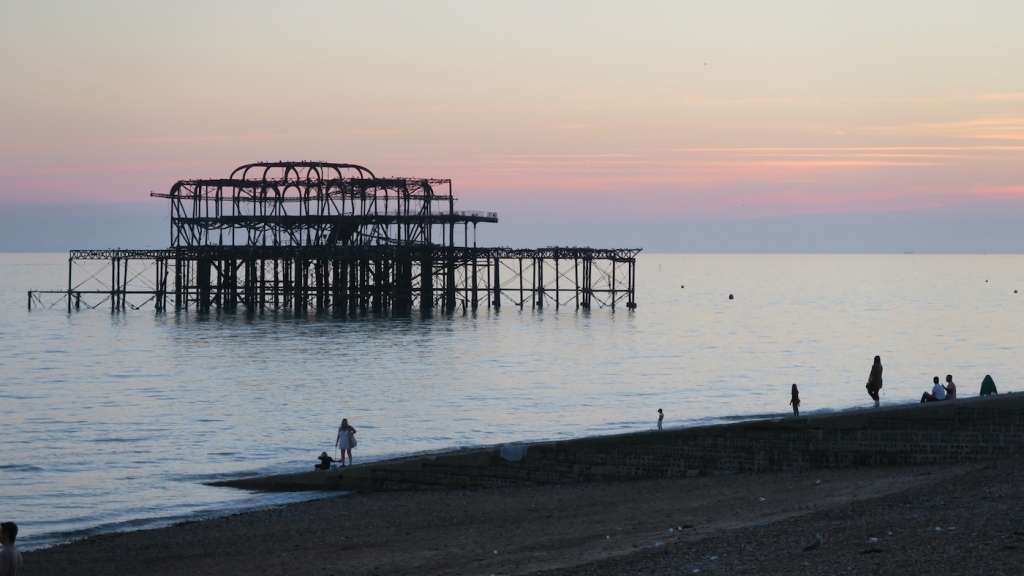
(21, 467)
(21, 396)
(47, 539)
(207, 477)
(741, 417)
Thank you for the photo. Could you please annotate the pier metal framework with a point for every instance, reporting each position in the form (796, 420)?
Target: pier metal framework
(314, 236)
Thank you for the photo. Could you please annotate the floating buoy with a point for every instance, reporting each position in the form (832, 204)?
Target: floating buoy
(730, 296)
(681, 286)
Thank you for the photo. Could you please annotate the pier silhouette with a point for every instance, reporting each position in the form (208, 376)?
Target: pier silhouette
(325, 237)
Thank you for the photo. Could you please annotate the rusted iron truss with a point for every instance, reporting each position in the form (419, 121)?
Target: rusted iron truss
(314, 236)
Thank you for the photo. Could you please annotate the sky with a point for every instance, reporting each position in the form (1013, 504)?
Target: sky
(672, 126)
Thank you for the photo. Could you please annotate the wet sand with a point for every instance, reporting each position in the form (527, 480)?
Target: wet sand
(747, 523)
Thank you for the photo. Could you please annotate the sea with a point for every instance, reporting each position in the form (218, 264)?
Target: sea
(116, 421)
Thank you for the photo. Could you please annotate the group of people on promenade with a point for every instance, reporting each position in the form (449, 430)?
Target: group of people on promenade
(345, 442)
(939, 391)
(947, 391)
(346, 439)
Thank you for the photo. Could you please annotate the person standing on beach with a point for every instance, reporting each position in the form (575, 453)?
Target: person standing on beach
(875, 380)
(10, 558)
(345, 441)
(661, 416)
(795, 400)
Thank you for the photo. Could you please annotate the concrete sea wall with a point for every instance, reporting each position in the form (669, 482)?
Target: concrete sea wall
(951, 431)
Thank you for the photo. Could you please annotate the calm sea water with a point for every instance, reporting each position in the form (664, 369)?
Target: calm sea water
(114, 421)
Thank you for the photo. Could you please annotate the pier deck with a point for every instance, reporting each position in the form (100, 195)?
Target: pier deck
(312, 236)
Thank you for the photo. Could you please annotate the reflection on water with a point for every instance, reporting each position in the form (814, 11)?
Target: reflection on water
(111, 421)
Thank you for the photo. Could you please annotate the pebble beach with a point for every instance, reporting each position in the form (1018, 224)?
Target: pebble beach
(936, 519)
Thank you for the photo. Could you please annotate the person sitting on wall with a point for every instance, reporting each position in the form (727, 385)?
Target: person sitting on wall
(325, 462)
(988, 386)
(950, 387)
(937, 393)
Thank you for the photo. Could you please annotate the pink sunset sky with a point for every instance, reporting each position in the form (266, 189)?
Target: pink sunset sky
(637, 113)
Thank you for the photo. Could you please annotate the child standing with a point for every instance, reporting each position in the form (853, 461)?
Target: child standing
(795, 401)
(661, 416)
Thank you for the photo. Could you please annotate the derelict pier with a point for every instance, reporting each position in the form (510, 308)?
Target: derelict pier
(314, 236)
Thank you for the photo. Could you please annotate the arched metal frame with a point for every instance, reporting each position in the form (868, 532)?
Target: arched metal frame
(294, 204)
(299, 236)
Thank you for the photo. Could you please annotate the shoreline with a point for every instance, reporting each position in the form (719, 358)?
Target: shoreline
(257, 483)
(159, 522)
(966, 429)
(760, 521)
(566, 523)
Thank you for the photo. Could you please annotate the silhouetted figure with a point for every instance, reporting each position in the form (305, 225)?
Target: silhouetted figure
(875, 379)
(325, 462)
(795, 401)
(950, 387)
(10, 558)
(661, 416)
(937, 393)
(345, 441)
(988, 386)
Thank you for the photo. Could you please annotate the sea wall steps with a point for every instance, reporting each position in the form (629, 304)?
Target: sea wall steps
(951, 431)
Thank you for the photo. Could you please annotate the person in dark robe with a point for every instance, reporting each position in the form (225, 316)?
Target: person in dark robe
(875, 380)
(988, 386)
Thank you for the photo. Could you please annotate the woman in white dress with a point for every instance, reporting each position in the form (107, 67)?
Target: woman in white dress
(344, 440)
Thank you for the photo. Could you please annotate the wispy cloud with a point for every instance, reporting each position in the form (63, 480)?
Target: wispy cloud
(849, 148)
(561, 156)
(188, 139)
(1003, 96)
(984, 190)
(804, 101)
(145, 140)
(931, 155)
(1005, 128)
